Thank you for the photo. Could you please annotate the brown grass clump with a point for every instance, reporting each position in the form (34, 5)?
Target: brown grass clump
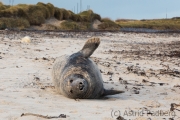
(89, 16)
(76, 18)
(13, 11)
(108, 24)
(62, 14)
(35, 15)
(124, 20)
(38, 13)
(58, 14)
(66, 14)
(158, 24)
(3, 7)
(51, 9)
(69, 25)
(19, 23)
(48, 9)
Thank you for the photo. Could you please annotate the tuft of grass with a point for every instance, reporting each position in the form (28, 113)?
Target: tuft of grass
(51, 9)
(66, 14)
(19, 23)
(69, 25)
(89, 16)
(13, 11)
(157, 24)
(62, 14)
(108, 24)
(76, 18)
(35, 15)
(85, 26)
(3, 7)
(58, 14)
(48, 9)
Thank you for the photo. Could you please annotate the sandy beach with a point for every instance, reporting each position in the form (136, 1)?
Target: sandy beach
(146, 66)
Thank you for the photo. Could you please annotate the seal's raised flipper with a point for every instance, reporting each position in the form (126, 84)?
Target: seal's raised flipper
(90, 46)
(111, 92)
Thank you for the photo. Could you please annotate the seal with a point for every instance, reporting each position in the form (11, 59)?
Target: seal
(76, 76)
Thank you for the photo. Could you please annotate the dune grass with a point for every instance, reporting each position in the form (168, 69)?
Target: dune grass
(89, 16)
(29, 15)
(69, 25)
(37, 14)
(158, 24)
(19, 23)
(72, 25)
(3, 7)
(108, 24)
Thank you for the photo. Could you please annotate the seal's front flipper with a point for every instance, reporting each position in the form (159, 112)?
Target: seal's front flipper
(112, 92)
(89, 47)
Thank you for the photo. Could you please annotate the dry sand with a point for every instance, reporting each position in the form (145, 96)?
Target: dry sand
(145, 66)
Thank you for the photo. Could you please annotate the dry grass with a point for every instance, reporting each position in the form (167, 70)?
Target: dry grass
(58, 14)
(49, 9)
(71, 25)
(89, 16)
(158, 24)
(38, 13)
(19, 23)
(108, 24)
(3, 7)
(62, 14)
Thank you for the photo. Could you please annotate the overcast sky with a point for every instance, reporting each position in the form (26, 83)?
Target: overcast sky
(114, 9)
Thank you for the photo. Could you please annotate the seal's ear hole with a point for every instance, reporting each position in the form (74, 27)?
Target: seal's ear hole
(71, 91)
(71, 81)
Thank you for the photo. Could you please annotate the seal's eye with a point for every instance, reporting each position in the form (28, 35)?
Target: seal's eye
(71, 81)
(71, 91)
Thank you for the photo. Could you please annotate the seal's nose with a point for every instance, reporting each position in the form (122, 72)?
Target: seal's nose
(77, 84)
(81, 86)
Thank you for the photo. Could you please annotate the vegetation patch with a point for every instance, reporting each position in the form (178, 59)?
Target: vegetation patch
(49, 9)
(158, 24)
(108, 24)
(89, 16)
(19, 23)
(72, 25)
(35, 15)
(3, 7)
(69, 25)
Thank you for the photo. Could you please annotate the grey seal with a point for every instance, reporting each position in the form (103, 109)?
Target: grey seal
(76, 76)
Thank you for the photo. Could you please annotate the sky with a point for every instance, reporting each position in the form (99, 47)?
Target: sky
(117, 9)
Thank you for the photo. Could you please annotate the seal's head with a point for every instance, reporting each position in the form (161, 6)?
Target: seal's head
(75, 86)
